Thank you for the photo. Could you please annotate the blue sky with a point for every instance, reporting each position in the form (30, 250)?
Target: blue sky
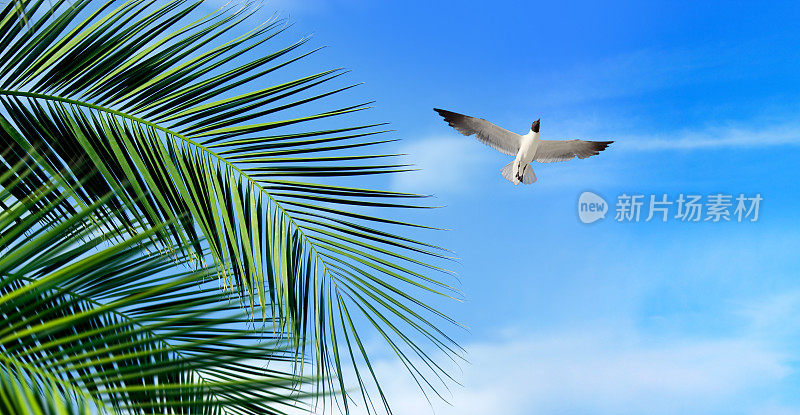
(607, 318)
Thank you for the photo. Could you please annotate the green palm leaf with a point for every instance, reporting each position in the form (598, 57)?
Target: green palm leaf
(90, 324)
(162, 106)
(19, 396)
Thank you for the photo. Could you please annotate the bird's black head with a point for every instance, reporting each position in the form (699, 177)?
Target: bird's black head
(535, 126)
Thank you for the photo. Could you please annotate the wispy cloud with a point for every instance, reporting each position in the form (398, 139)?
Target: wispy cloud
(446, 164)
(601, 372)
(716, 137)
(616, 369)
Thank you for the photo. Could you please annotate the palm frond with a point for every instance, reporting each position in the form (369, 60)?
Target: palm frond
(92, 324)
(183, 124)
(20, 394)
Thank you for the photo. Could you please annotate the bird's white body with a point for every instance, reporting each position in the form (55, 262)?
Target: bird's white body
(525, 148)
(528, 144)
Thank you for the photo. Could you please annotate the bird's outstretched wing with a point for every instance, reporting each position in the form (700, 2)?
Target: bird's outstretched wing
(550, 151)
(493, 136)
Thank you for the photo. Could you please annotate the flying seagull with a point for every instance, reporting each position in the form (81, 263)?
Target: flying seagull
(526, 148)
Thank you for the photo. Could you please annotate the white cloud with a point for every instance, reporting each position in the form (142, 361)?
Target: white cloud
(613, 368)
(717, 137)
(447, 164)
(600, 371)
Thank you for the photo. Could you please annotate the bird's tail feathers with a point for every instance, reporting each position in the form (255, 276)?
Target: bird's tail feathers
(508, 171)
(528, 176)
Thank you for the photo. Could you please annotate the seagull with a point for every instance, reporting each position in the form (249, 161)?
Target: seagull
(526, 148)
